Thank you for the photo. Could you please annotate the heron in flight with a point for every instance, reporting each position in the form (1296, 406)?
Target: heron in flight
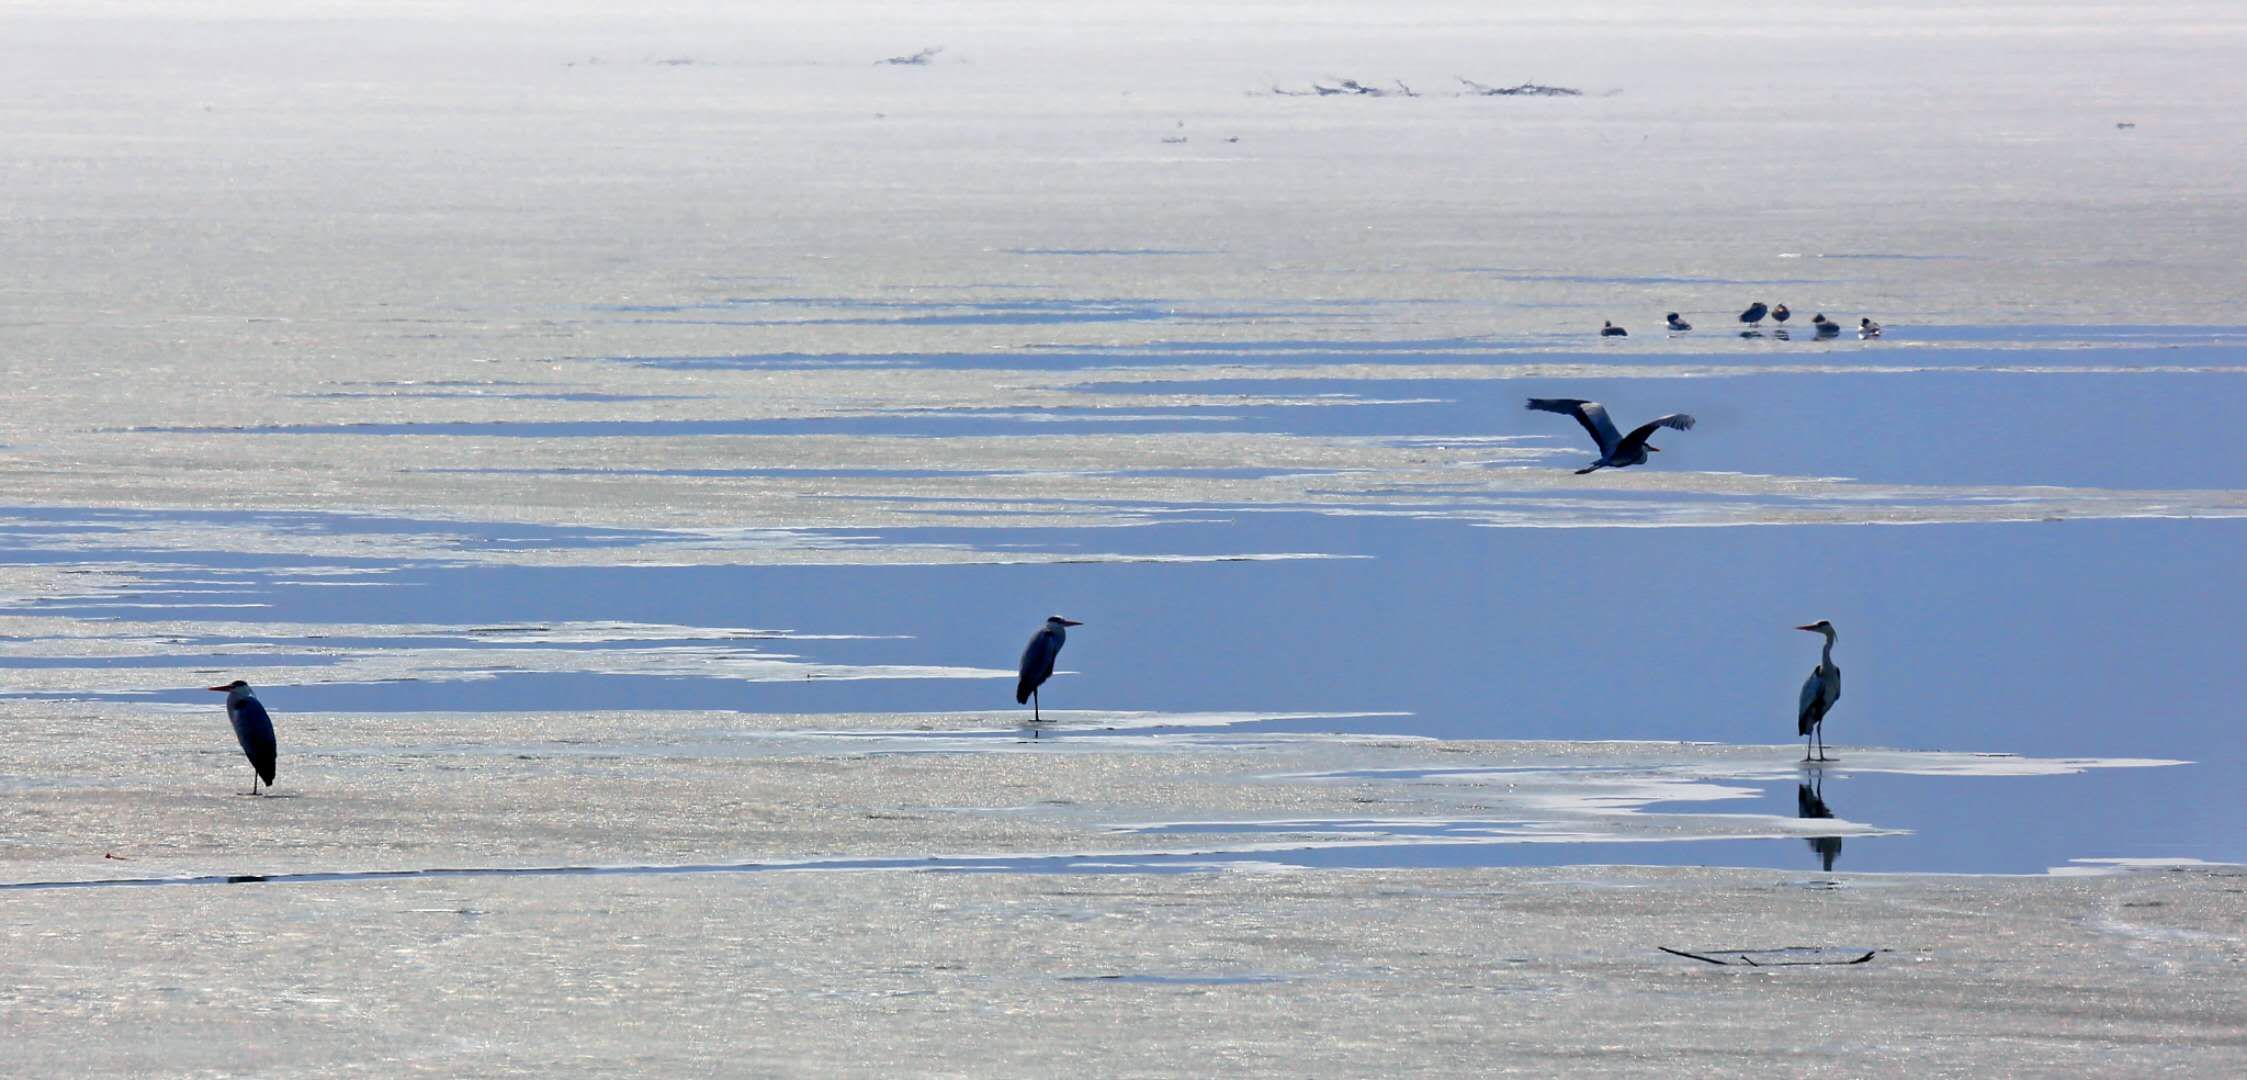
(1819, 692)
(1037, 660)
(253, 729)
(1615, 451)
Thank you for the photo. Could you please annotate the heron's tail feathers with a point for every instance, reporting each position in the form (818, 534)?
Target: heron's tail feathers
(1022, 692)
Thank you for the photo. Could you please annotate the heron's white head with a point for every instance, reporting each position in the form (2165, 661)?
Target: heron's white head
(1056, 620)
(1820, 627)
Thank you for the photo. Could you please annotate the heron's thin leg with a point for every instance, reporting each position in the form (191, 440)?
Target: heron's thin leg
(1034, 706)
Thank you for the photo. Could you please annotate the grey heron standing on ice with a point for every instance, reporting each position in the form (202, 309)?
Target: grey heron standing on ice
(253, 729)
(1037, 660)
(1615, 450)
(1819, 692)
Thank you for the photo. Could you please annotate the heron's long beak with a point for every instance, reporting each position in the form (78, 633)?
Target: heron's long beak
(1656, 449)
(220, 689)
(1071, 622)
(1812, 629)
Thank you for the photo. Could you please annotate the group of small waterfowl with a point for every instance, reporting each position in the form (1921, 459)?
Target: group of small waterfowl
(1753, 318)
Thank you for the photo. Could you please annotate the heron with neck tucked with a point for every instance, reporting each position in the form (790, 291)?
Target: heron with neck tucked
(1037, 660)
(253, 730)
(1819, 692)
(1615, 450)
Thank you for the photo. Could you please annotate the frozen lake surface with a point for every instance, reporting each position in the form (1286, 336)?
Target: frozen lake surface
(627, 454)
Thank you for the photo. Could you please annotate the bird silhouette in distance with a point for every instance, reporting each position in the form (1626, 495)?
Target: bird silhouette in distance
(1819, 692)
(1037, 660)
(253, 729)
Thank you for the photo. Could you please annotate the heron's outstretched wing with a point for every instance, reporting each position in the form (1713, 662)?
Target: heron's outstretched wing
(253, 729)
(1591, 414)
(1037, 663)
(1645, 431)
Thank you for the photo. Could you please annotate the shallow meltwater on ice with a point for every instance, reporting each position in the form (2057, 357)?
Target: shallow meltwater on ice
(1638, 804)
(627, 452)
(1296, 562)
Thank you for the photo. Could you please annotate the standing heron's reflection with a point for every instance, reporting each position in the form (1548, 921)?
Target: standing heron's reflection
(1810, 802)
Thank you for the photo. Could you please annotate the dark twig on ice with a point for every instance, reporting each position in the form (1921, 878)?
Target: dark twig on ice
(1747, 957)
(919, 59)
(1354, 88)
(1527, 89)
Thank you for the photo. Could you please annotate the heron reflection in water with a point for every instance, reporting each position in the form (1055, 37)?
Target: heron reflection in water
(1810, 802)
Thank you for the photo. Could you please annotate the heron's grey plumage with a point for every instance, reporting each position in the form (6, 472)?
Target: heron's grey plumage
(1615, 450)
(1819, 692)
(1038, 657)
(253, 730)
